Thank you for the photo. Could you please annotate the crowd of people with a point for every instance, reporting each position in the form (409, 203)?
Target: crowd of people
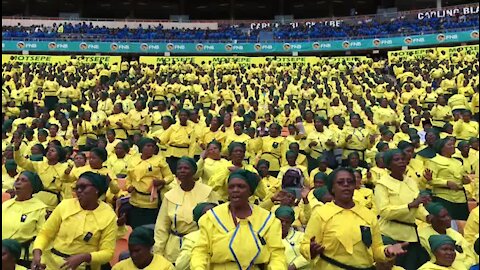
(334, 165)
(371, 27)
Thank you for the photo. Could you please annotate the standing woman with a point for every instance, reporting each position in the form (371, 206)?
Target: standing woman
(399, 204)
(180, 139)
(81, 232)
(344, 235)
(175, 219)
(147, 173)
(51, 172)
(273, 149)
(447, 179)
(210, 161)
(24, 215)
(237, 234)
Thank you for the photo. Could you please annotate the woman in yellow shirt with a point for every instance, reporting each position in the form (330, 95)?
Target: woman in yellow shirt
(237, 234)
(399, 204)
(210, 161)
(274, 148)
(81, 232)
(24, 215)
(117, 122)
(175, 219)
(344, 235)
(443, 247)
(447, 179)
(140, 243)
(51, 172)
(148, 175)
(11, 253)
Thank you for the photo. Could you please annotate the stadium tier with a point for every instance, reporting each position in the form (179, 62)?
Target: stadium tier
(138, 159)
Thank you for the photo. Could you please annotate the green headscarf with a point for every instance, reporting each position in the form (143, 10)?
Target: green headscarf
(438, 240)
(285, 211)
(99, 181)
(402, 145)
(434, 208)
(198, 210)
(144, 141)
(439, 144)
(35, 181)
(381, 145)
(263, 162)
(462, 144)
(322, 159)
(36, 157)
(142, 236)
(320, 176)
(10, 165)
(100, 153)
(388, 156)
(190, 162)
(250, 178)
(290, 153)
(320, 192)
(13, 246)
(291, 191)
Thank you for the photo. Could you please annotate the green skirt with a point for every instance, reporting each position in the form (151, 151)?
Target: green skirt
(457, 211)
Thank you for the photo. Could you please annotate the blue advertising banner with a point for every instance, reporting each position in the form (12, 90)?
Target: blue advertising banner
(240, 48)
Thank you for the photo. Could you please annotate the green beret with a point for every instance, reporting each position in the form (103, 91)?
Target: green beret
(322, 159)
(434, 208)
(438, 240)
(388, 240)
(291, 191)
(427, 152)
(250, 178)
(462, 144)
(7, 123)
(35, 181)
(290, 153)
(381, 145)
(100, 153)
(99, 181)
(414, 137)
(263, 162)
(320, 176)
(190, 162)
(439, 144)
(388, 156)
(10, 165)
(13, 247)
(36, 157)
(144, 141)
(198, 210)
(285, 211)
(320, 192)
(142, 236)
(387, 132)
(402, 145)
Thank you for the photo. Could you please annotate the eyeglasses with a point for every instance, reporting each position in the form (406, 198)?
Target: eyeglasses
(81, 187)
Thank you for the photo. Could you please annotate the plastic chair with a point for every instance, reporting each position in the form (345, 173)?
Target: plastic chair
(121, 246)
(5, 196)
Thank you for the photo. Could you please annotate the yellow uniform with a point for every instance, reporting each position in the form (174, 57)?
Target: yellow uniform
(208, 167)
(320, 138)
(292, 250)
(158, 263)
(227, 246)
(392, 198)
(175, 219)
(470, 231)
(446, 169)
(183, 259)
(433, 266)
(273, 150)
(340, 231)
(465, 131)
(120, 133)
(141, 174)
(180, 140)
(364, 197)
(219, 181)
(8, 181)
(359, 142)
(22, 220)
(466, 257)
(52, 177)
(72, 230)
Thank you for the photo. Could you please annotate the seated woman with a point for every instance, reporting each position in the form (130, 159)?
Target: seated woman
(189, 241)
(140, 243)
(210, 161)
(440, 224)
(11, 252)
(362, 195)
(291, 239)
(237, 234)
(443, 248)
(24, 215)
(81, 232)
